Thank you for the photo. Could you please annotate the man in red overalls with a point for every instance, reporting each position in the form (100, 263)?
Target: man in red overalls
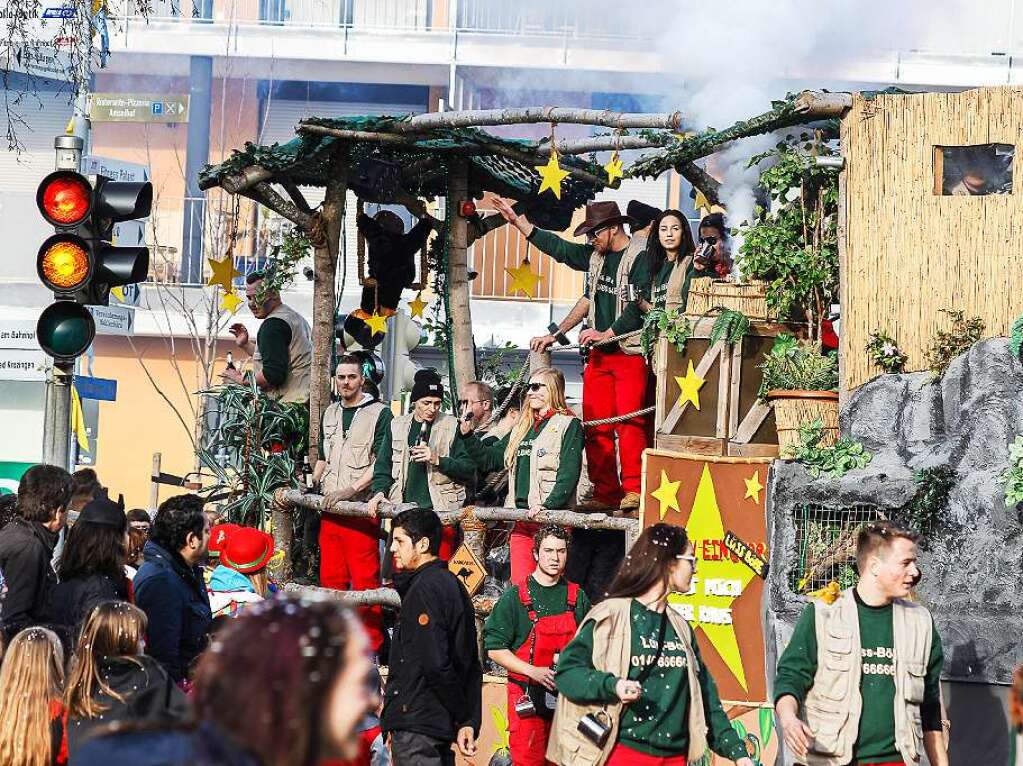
(529, 626)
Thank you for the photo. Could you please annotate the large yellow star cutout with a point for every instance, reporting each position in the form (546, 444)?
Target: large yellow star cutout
(718, 583)
(523, 279)
(689, 385)
(613, 168)
(667, 494)
(417, 305)
(223, 274)
(376, 323)
(230, 302)
(753, 487)
(551, 175)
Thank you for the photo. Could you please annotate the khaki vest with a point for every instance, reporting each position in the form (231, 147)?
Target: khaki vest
(445, 492)
(636, 246)
(673, 298)
(544, 462)
(349, 458)
(612, 653)
(300, 357)
(833, 705)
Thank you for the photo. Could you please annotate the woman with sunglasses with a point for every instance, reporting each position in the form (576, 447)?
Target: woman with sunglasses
(714, 257)
(634, 668)
(543, 454)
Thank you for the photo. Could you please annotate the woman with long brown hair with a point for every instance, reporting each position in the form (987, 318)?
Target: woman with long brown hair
(112, 681)
(31, 713)
(543, 454)
(634, 668)
(670, 261)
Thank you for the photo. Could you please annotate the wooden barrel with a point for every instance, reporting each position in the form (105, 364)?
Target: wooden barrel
(793, 409)
(750, 297)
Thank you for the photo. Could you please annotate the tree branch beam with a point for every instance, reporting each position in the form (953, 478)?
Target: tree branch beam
(702, 181)
(265, 195)
(473, 118)
(604, 144)
(295, 194)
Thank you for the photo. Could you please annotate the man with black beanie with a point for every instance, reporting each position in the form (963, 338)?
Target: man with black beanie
(420, 460)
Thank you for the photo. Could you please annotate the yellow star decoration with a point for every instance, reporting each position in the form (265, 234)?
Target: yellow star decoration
(711, 612)
(417, 305)
(753, 487)
(230, 302)
(376, 323)
(613, 168)
(223, 274)
(551, 175)
(690, 385)
(667, 494)
(523, 279)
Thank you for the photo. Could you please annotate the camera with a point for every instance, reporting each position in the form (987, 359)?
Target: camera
(596, 727)
(524, 708)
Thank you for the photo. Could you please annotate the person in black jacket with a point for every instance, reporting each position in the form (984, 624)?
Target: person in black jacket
(111, 681)
(169, 587)
(91, 570)
(434, 684)
(26, 546)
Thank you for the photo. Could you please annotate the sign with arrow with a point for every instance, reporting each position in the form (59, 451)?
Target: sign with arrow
(468, 569)
(134, 107)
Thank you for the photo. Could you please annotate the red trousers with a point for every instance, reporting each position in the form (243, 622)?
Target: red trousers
(366, 739)
(625, 756)
(350, 560)
(527, 737)
(614, 383)
(521, 551)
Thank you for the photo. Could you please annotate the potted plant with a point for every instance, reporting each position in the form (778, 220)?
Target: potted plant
(801, 383)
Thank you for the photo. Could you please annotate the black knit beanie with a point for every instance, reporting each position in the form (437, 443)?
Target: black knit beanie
(427, 383)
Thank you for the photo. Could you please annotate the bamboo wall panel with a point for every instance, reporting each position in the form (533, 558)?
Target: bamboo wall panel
(910, 253)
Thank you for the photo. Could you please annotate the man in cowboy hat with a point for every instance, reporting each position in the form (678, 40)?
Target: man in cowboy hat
(615, 378)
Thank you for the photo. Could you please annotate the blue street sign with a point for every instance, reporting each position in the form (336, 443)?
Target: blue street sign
(64, 12)
(100, 389)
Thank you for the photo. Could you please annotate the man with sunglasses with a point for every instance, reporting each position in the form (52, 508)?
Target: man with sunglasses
(615, 378)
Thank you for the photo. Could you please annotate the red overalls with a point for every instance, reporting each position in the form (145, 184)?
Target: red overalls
(549, 635)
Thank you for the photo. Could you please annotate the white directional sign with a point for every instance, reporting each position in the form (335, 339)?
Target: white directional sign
(113, 320)
(138, 107)
(20, 355)
(118, 170)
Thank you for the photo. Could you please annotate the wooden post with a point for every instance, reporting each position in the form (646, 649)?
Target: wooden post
(154, 488)
(463, 349)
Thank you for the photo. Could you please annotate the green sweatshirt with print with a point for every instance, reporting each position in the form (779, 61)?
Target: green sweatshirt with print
(658, 722)
(508, 625)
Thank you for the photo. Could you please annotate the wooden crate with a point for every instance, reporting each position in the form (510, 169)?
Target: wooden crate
(730, 420)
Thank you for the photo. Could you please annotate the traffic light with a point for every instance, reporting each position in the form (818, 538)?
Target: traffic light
(78, 263)
(401, 370)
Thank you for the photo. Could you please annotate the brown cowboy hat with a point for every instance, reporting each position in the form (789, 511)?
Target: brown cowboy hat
(599, 215)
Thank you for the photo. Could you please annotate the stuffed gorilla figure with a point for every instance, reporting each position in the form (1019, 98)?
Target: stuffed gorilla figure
(392, 268)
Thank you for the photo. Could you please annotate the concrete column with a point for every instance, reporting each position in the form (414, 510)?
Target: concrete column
(197, 154)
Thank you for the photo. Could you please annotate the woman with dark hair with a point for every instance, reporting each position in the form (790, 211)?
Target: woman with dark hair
(634, 667)
(287, 683)
(670, 258)
(92, 568)
(714, 256)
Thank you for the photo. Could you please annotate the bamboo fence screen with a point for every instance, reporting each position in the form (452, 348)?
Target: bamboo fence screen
(907, 252)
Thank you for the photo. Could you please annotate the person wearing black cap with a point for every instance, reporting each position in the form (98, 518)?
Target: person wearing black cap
(91, 570)
(420, 460)
(615, 378)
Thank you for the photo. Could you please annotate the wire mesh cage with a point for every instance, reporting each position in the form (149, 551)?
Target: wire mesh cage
(826, 545)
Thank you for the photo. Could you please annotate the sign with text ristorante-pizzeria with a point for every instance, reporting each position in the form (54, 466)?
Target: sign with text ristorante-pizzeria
(138, 107)
(722, 504)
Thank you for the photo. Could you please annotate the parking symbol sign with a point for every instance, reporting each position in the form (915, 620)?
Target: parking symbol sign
(157, 107)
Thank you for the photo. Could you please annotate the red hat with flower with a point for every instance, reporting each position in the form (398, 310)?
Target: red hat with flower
(219, 536)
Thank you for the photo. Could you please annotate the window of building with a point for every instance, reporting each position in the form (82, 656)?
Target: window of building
(973, 170)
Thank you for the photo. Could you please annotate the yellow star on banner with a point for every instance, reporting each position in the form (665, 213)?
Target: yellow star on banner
(689, 386)
(118, 292)
(667, 494)
(523, 279)
(551, 175)
(223, 274)
(753, 487)
(719, 583)
(613, 168)
(376, 323)
(701, 202)
(417, 305)
(230, 302)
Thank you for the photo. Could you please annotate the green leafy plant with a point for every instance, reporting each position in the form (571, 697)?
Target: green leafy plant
(948, 344)
(885, 352)
(1016, 337)
(834, 461)
(493, 367)
(793, 244)
(926, 511)
(794, 365)
(731, 325)
(253, 450)
(668, 323)
(282, 262)
(1013, 477)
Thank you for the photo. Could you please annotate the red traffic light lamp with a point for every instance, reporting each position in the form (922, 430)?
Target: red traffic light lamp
(65, 198)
